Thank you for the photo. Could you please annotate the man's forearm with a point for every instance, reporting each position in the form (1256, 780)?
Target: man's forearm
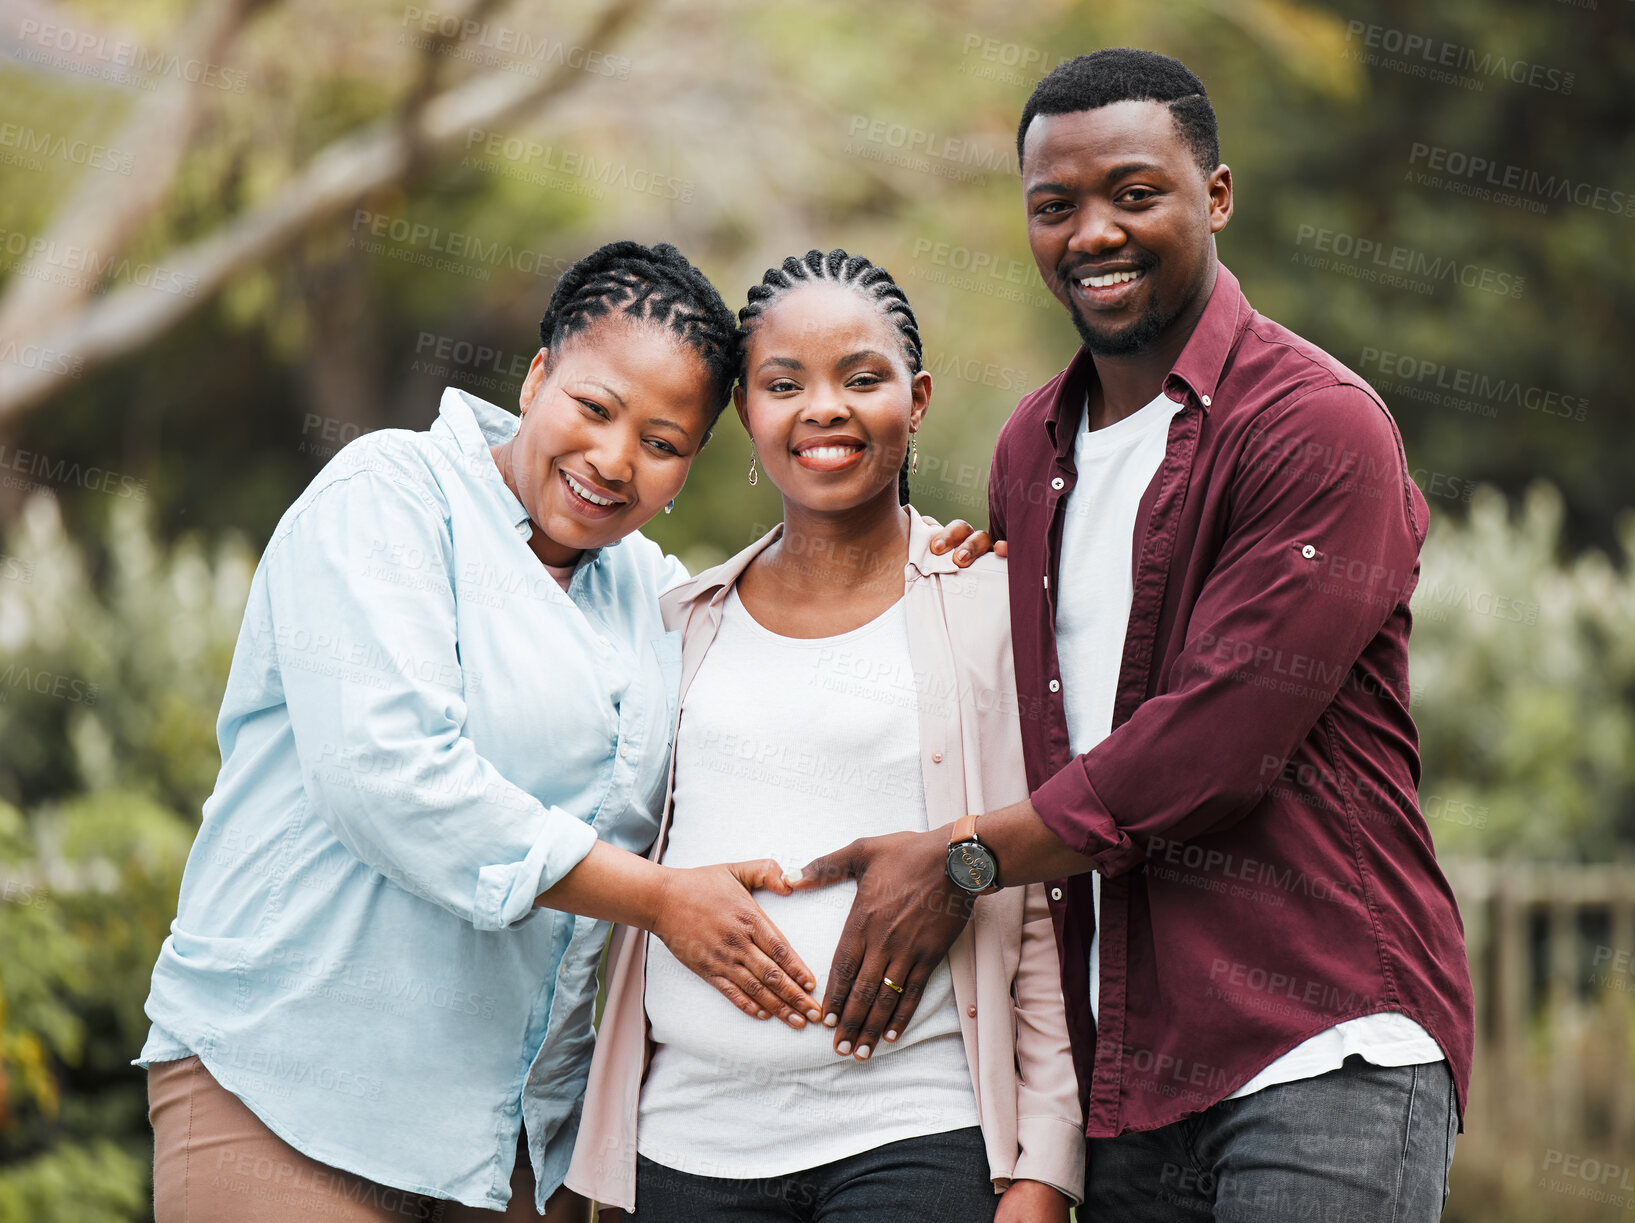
(1026, 850)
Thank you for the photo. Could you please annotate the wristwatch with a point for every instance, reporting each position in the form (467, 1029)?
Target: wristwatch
(971, 864)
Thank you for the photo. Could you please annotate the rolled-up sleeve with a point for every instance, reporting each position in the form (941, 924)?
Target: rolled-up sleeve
(362, 624)
(1323, 548)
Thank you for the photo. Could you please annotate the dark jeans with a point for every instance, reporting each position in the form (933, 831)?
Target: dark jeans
(938, 1178)
(1361, 1144)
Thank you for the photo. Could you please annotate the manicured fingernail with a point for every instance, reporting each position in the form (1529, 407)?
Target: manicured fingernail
(843, 1048)
(862, 1053)
(809, 986)
(830, 1021)
(962, 555)
(814, 1014)
(891, 1036)
(937, 546)
(795, 1021)
(760, 1014)
(792, 876)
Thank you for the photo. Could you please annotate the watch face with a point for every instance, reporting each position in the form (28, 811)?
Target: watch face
(971, 866)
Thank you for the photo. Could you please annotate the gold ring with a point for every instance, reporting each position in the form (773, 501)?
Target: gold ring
(892, 984)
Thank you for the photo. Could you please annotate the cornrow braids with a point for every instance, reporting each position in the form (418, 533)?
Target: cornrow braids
(653, 284)
(853, 271)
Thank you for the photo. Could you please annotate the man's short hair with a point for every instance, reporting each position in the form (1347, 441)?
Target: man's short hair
(1126, 74)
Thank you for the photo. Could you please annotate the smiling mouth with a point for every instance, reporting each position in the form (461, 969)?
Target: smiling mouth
(591, 502)
(1109, 279)
(829, 455)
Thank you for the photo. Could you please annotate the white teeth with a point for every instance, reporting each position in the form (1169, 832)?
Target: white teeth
(584, 492)
(1112, 278)
(829, 452)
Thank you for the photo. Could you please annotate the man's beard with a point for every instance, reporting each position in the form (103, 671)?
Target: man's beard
(1128, 340)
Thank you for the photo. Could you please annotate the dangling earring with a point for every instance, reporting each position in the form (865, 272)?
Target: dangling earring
(671, 507)
(753, 477)
(913, 455)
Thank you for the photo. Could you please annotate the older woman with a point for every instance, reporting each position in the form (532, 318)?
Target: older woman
(444, 739)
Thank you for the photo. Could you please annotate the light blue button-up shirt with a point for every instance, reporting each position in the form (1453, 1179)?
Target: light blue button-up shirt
(420, 733)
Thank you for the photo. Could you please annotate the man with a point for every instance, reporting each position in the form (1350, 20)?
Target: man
(1213, 540)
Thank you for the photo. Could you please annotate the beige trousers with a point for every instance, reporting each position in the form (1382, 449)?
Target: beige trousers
(215, 1162)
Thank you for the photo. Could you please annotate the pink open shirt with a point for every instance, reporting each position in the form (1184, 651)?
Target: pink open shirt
(1004, 965)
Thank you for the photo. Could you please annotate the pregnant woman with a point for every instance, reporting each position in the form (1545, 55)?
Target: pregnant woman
(444, 741)
(838, 680)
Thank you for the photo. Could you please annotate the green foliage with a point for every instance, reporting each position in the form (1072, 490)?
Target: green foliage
(1523, 672)
(112, 664)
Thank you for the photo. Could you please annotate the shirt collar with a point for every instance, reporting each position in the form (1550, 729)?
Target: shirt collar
(920, 557)
(712, 585)
(1212, 340)
(1198, 369)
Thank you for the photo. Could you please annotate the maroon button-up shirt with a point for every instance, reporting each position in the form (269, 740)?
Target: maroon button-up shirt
(1267, 871)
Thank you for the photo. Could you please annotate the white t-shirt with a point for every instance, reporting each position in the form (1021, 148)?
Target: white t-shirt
(788, 748)
(1095, 586)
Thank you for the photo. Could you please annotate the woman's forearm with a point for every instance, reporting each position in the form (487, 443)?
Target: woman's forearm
(611, 884)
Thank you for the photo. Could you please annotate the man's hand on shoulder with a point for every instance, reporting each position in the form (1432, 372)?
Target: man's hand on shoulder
(969, 543)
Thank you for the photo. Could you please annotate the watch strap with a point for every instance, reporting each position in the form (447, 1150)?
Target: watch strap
(964, 830)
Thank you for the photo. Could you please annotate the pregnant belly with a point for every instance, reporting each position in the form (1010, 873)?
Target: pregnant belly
(690, 1014)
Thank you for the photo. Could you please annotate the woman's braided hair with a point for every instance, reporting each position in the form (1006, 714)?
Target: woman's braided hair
(853, 271)
(653, 284)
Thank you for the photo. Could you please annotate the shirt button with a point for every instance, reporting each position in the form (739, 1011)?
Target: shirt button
(1055, 685)
(1058, 483)
(971, 1011)
(522, 528)
(1205, 400)
(936, 757)
(1055, 893)
(1308, 552)
(624, 750)
(603, 641)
